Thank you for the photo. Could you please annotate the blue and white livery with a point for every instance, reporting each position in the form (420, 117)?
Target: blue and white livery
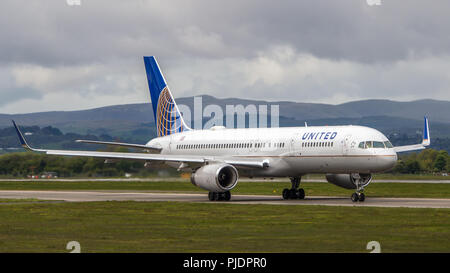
(168, 118)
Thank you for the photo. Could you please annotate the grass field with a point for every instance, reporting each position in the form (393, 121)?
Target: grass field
(30, 226)
(409, 176)
(429, 190)
(219, 227)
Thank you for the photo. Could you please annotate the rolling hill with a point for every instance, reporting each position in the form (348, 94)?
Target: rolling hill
(134, 122)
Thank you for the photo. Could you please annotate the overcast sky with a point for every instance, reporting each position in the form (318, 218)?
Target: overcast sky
(54, 56)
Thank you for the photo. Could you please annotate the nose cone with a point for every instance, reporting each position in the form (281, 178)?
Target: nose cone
(388, 160)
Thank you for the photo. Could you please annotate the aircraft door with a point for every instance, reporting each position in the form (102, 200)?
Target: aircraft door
(346, 142)
(294, 146)
(252, 146)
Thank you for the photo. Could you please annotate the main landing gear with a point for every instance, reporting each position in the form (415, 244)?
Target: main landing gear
(219, 196)
(294, 192)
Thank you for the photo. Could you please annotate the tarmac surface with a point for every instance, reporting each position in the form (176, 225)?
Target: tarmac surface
(87, 196)
(177, 179)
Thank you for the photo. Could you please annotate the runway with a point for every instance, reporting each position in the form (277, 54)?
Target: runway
(241, 180)
(87, 196)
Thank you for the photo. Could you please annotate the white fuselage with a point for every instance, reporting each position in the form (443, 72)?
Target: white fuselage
(289, 151)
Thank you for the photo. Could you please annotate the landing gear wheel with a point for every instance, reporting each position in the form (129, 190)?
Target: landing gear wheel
(301, 194)
(293, 194)
(211, 196)
(355, 197)
(362, 197)
(286, 194)
(216, 196)
(226, 196)
(219, 196)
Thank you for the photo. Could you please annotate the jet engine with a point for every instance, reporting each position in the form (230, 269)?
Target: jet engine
(217, 177)
(349, 181)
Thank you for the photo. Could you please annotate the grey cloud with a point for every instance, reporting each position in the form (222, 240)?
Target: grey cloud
(10, 95)
(203, 45)
(49, 32)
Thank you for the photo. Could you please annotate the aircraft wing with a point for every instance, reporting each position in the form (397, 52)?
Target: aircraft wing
(421, 146)
(251, 163)
(127, 145)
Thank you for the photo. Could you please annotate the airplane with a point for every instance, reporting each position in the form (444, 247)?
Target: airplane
(216, 157)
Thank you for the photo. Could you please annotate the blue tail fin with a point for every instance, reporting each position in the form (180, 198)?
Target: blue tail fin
(168, 118)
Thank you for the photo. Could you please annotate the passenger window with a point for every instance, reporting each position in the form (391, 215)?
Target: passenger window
(362, 145)
(369, 144)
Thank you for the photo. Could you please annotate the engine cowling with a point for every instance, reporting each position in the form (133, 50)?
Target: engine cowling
(348, 181)
(218, 177)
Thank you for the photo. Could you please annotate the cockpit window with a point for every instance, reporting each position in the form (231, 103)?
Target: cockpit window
(378, 144)
(375, 144)
(388, 144)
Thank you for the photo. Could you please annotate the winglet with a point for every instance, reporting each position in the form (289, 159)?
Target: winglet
(23, 142)
(426, 133)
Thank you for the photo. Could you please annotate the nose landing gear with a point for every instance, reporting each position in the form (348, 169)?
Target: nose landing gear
(358, 197)
(360, 182)
(294, 192)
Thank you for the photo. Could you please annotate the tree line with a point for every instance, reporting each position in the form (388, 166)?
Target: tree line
(25, 164)
(427, 161)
